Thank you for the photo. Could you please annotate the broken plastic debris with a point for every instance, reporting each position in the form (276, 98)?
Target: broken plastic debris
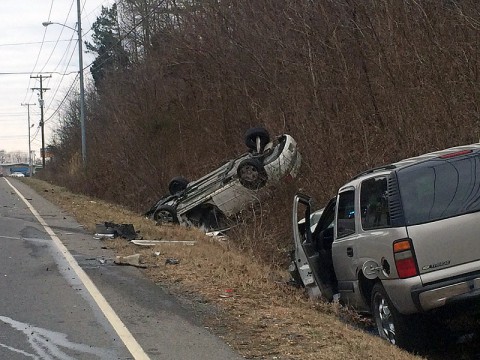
(220, 235)
(227, 293)
(100, 236)
(111, 230)
(102, 231)
(171, 261)
(156, 242)
(133, 260)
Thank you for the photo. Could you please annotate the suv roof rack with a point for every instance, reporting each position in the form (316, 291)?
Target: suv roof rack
(370, 171)
(445, 153)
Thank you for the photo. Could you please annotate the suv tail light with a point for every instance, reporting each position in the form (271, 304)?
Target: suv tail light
(404, 258)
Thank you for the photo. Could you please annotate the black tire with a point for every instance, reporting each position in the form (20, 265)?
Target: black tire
(251, 135)
(177, 184)
(165, 214)
(252, 174)
(402, 330)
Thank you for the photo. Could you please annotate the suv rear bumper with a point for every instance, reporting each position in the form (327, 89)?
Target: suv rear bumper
(411, 296)
(400, 293)
(446, 292)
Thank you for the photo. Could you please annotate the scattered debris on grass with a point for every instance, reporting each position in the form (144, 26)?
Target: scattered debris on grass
(264, 319)
(157, 242)
(133, 260)
(110, 230)
(172, 261)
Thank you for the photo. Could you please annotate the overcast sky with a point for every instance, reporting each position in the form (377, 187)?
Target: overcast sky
(29, 49)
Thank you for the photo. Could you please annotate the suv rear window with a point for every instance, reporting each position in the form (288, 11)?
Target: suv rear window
(440, 188)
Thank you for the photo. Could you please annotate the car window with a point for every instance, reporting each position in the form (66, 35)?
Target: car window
(439, 189)
(346, 214)
(374, 203)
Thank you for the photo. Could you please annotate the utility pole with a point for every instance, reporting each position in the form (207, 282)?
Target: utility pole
(82, 86)
(80, 73)
(30, 167)
(40, 100)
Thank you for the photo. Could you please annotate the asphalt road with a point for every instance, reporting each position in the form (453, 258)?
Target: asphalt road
(61, 296)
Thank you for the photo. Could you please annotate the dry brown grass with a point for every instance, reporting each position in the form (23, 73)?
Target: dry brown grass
(260, 316)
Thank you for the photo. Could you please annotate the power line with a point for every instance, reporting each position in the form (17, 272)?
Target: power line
(12, 114)
(43, 72)
(56, 43)
(66, 66)
(12, 136)
(33, 43)
(36, 133)
(66, 73)
(61, 59)
(62, 78)
(126, 34)
(12, 120)
(38, 56)
(64, 98)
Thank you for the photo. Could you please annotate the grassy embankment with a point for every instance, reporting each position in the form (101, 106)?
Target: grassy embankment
(261, 316)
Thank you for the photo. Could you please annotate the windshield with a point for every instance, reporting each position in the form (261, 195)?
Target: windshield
(440, 188)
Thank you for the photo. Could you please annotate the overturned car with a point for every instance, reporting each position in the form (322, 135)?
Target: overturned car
(209, 201)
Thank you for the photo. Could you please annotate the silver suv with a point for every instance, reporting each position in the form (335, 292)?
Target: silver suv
(396, 241)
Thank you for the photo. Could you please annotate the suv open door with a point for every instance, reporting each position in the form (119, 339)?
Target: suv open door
(311, 258)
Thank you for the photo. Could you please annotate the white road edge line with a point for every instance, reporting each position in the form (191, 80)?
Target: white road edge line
(125, 335)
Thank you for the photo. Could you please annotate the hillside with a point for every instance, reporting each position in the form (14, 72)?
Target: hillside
(356, 83)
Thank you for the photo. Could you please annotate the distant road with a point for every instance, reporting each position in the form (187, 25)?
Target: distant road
(59, 299)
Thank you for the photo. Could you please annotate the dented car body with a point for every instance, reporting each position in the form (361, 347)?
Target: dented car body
(396, 241)
(210, 200)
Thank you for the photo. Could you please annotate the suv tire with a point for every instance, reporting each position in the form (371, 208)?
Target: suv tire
(398, 329)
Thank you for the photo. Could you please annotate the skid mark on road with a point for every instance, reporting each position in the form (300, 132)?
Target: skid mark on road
(24, 238)
(19, 351)
(48, 344)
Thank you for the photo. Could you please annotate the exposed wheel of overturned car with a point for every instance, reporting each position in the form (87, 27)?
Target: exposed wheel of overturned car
(165, 214)
(177, 184)
(251, 136)
(252, 174)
